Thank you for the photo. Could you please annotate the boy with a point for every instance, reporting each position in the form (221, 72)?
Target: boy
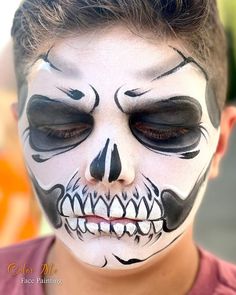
(122, 119)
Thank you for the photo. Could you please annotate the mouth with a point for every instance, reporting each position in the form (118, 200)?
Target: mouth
(97, 225)
(112, 220)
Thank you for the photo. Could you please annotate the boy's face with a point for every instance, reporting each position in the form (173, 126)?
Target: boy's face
(118, 136)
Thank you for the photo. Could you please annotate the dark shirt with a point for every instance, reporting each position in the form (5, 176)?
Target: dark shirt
(215, 276)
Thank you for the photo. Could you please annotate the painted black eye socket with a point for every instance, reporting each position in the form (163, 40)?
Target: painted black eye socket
(46, 138)
(164, 137)
(55, 125)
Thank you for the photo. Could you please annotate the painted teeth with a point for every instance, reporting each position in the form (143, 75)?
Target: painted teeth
(116, 209)
(88, 207)
(66, 207)
(130, 210)
(72, 222)
(105, 227)
(81, 224)
(155, 211)
(141, 227)
(101, 208)
(92, 227)
(119, 229)
(142, 210)
(144, 227)
(157, 225)
(147, 215)
(131, 228)
(77, 207)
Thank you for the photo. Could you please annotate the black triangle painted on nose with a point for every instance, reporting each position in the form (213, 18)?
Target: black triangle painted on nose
(97, 167)
(115, 168)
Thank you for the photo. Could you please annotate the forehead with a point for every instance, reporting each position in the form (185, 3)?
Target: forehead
(114, 53)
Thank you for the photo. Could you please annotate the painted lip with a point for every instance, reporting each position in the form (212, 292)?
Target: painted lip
(97, 225)
(111, 220)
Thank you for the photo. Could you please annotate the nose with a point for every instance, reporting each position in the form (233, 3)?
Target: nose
(108, 166)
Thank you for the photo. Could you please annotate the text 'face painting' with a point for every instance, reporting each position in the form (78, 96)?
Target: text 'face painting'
(118, 136)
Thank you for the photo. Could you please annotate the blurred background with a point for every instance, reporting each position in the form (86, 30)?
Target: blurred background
(20, 217)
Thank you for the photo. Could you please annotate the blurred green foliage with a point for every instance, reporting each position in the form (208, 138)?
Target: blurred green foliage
(227, 10)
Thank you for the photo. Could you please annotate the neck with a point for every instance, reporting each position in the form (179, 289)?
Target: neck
(175, 270)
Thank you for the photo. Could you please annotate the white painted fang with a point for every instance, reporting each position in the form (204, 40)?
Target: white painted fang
(66, 207)
(105, 227)
(77, 207)
(81, 224)
(155, 211)
(130, 210)
(157, 225)
(72, 222)
(101, 208)
(142, 211)
(116, 209)
(92, 227)
(88, 206)
(131, 228)
(144, 227)
(119, 229)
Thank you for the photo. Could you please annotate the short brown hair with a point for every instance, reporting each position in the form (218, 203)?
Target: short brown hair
(195, 22)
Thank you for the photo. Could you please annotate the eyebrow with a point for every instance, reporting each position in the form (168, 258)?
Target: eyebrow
(68, 67)
(186, 60)
(45, 57)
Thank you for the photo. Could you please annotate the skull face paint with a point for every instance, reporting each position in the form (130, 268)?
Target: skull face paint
(118, 135)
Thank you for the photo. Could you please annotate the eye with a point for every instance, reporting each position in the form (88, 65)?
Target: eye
(168, 138)
(162, 133)
(66, 132)
(51, 137)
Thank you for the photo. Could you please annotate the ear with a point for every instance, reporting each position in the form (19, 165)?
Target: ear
(14, 110)
(228, 120)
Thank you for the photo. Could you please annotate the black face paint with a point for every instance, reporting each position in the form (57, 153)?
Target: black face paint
(97, 98)
(190, 155)
(135, 92)
(165, 211)
(211, 101)
(212, 106)
(76, 94)
(68, 230)
(176, 209)
(116, 99)
(105, 263)
(73, 93)
(41, 158)
(45, 57)
(135, 260)
(115, 168)
(23, 93)
(49, 200)
(55, 125)
(172, 126)
(186, 60)
(97, 167)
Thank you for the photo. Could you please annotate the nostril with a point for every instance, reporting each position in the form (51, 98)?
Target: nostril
(92, 181)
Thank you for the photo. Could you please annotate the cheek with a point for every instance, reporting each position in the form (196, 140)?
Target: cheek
(57, 169)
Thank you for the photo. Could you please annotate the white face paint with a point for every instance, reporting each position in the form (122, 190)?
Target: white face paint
(118, 135)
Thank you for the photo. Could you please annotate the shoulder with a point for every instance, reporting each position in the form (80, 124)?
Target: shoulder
(215, 276)
(21, 261)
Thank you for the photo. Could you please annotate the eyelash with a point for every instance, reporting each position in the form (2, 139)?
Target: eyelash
(169, 138)
(66, 133)
(161, 133)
